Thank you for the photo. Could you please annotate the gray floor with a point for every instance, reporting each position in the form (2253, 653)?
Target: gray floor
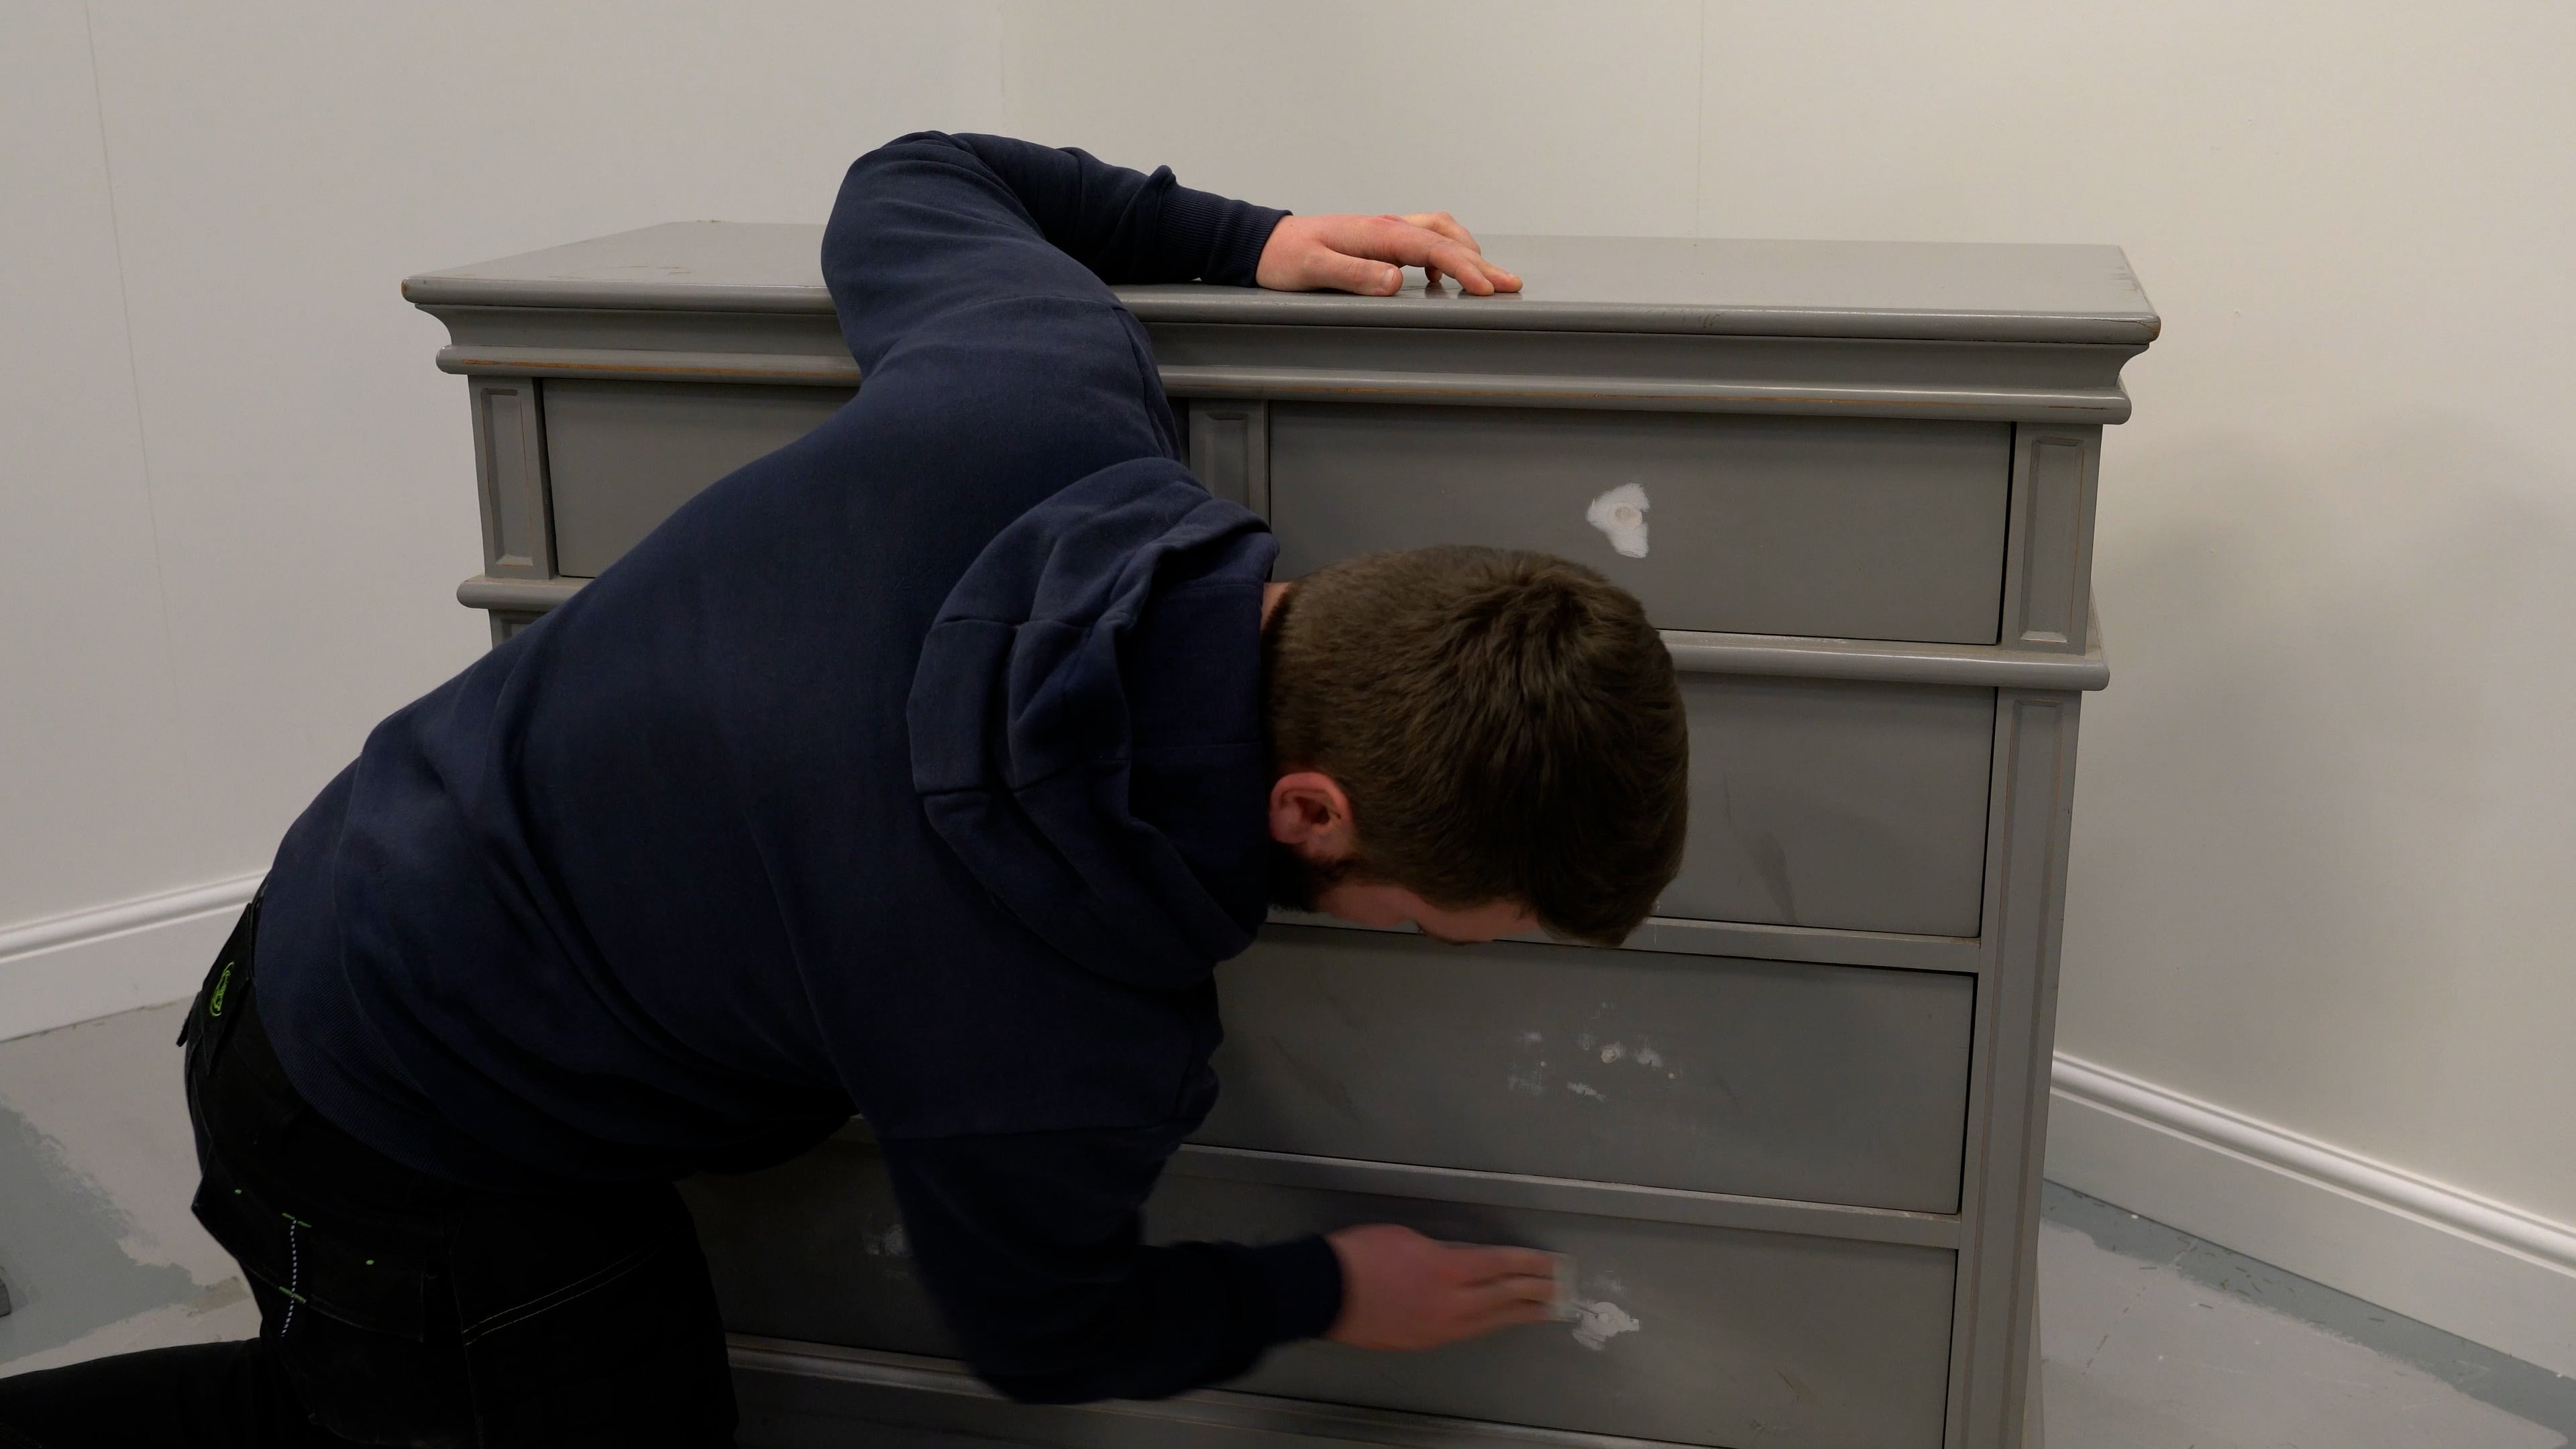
(2151, 1339)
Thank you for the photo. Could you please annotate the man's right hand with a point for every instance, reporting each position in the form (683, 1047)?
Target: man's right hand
(1401, 1290)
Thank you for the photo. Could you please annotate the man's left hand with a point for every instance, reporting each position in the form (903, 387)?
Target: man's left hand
(1368, 255)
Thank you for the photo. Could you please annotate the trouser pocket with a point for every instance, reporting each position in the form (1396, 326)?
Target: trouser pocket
(363, 1275)
(351, 1303)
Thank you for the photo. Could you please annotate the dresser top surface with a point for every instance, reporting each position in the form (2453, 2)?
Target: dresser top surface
(1933, 291)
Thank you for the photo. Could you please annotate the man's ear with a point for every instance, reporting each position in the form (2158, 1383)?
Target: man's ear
(1310, 815)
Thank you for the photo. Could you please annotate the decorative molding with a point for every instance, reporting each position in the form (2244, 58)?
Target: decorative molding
(2487, 1271)
(1950, 388)
(1779, 656)
(1799, 657)
(2048, 554)
(773, 268)
(516, 596)
(810, 370)
(1530, 1192)
(1971, 401)
(113, 958)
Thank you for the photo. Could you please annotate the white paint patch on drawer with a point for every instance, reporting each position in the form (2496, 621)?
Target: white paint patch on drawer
(1597, 1321)
(1620, 514)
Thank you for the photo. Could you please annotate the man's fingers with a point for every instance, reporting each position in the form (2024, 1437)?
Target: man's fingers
(1398, 239)
(1500, 1315)
(1465, 265)
(1408, 245)
(1508, 1295)
(1364, 275)
(1447, 225)
(1470, 266)
(1510, 1313)
(1500, 278)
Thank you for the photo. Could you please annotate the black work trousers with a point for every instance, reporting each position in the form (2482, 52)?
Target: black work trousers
(397, 1308)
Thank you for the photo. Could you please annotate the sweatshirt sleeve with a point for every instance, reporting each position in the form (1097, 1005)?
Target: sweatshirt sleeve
(930, 222)
(1032, 1246)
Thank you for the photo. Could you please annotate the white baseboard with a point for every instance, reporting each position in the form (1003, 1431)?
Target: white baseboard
(115, 958)
(2490, 1273)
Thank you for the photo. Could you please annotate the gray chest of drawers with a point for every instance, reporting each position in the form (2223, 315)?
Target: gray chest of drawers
(1791, 1133)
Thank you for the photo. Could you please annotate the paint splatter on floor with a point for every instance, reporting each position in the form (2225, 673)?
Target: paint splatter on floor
(96, 1170)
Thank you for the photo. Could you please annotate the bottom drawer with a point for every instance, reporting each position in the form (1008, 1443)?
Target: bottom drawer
(1694, 1335)
(814, 1250)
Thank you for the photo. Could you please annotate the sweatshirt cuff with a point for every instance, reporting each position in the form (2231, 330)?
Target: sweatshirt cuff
(1305, 1278)
(1222, 235)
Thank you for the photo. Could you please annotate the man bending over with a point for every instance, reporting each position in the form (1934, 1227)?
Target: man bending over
(923, 769)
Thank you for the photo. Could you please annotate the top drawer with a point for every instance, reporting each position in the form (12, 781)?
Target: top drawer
(1858, 528)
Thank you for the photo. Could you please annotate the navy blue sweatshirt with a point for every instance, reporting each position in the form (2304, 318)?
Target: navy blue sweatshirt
(916, 769)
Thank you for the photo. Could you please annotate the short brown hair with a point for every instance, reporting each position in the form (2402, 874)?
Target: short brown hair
(1506, 725)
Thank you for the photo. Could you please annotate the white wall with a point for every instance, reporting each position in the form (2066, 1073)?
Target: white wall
(237, 495)
(2324, 836)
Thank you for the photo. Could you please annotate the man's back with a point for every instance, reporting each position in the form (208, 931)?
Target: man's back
(651, 887)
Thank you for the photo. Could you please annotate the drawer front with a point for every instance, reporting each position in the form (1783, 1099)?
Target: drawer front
(1836, 804)
(814, 1250)
(621, 455)
(1839, 1084)
(1696, 1335)
(1852, 528)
